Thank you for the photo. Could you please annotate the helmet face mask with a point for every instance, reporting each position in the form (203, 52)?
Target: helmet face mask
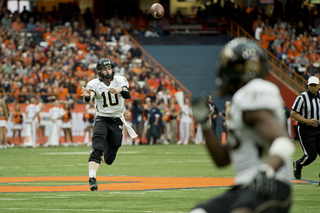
(102, 65)
(241, 60)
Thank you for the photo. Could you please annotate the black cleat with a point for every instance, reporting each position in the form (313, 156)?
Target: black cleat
(93, 184)
(296, 170)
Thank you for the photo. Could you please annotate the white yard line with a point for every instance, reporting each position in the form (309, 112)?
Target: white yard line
(13, 199)
(87, 210)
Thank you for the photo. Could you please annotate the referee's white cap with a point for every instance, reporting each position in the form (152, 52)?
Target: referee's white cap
(313, 80)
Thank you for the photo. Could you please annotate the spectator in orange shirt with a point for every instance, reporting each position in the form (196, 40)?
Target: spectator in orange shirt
(63, 92)
(298, 43)
(264, 39)
(292, 54)
(134, 94)
(153, 82)
(314, 56)
(17, 25)
(47, 34)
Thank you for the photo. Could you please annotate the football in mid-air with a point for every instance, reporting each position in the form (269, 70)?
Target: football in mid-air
(157, 10)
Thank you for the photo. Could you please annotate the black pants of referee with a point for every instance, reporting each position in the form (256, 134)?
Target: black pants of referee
(310, 143)
(107, 137)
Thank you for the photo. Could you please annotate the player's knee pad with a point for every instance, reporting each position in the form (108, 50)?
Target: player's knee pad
(109, 158)
(95, 155)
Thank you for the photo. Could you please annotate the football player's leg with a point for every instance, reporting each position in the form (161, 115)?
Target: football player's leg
(98, 140)
(113, 142)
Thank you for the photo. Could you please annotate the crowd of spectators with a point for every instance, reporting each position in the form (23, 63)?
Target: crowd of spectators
(54, 55)
(294, 39)
(53, 60)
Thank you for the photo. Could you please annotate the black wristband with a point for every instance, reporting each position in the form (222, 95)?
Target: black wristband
(87, 98)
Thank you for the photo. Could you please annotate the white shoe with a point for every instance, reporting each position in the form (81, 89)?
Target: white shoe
(185, 143)
(89, 144)
(166, 143)
(179, 142)
(74, 144)
(46, 145)
(65, 144)
(11, 145)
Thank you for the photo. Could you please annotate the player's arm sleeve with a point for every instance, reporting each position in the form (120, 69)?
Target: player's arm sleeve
(123, 83)
(125, 93)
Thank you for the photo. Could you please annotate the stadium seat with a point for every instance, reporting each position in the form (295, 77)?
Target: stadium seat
(92, 66)
(141, 83)
(72, 45)
(44, 44)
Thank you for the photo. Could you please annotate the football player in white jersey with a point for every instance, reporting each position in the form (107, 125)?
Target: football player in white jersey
(109, 93)
(258, 145)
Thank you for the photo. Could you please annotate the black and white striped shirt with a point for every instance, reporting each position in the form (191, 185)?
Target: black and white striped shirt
(307, 105)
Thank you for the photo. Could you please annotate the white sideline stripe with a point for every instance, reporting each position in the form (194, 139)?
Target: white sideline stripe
(179, 153)
(54, 197)
(64, 153)
(13, 199)
(128, 193)
(85, 210)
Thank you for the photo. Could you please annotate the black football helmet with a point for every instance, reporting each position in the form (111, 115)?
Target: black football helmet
(241, 60)
(104, 62)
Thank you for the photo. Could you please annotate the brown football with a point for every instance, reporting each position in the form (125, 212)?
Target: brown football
(157, 10)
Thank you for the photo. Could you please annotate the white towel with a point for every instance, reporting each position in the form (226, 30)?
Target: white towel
(131, 132)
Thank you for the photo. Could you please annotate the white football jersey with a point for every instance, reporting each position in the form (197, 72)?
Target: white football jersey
(244, 140)
(107, 104)
(31, 110)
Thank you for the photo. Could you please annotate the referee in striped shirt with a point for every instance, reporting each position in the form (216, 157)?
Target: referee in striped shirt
(306, 110)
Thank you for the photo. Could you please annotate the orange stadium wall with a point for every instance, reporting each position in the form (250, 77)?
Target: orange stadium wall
(78, 125)
(287, 94)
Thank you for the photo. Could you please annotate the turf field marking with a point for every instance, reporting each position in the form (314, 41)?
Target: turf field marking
(114, 183)
(13, 199)
(179, 153)
(128, 193)
(87, 210)
(64, 153)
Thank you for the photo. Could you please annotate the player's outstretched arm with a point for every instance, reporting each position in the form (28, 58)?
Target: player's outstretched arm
(219, 152)
(87, 94)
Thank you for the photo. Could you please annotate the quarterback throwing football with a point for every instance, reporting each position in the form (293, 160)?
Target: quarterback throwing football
(109, 92)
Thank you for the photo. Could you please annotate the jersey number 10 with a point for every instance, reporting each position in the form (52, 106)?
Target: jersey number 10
(103, 94)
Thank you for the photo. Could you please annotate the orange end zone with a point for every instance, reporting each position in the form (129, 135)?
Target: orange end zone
(125, 183)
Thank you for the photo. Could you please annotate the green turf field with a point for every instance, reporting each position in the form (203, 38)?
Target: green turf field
(142, 161)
